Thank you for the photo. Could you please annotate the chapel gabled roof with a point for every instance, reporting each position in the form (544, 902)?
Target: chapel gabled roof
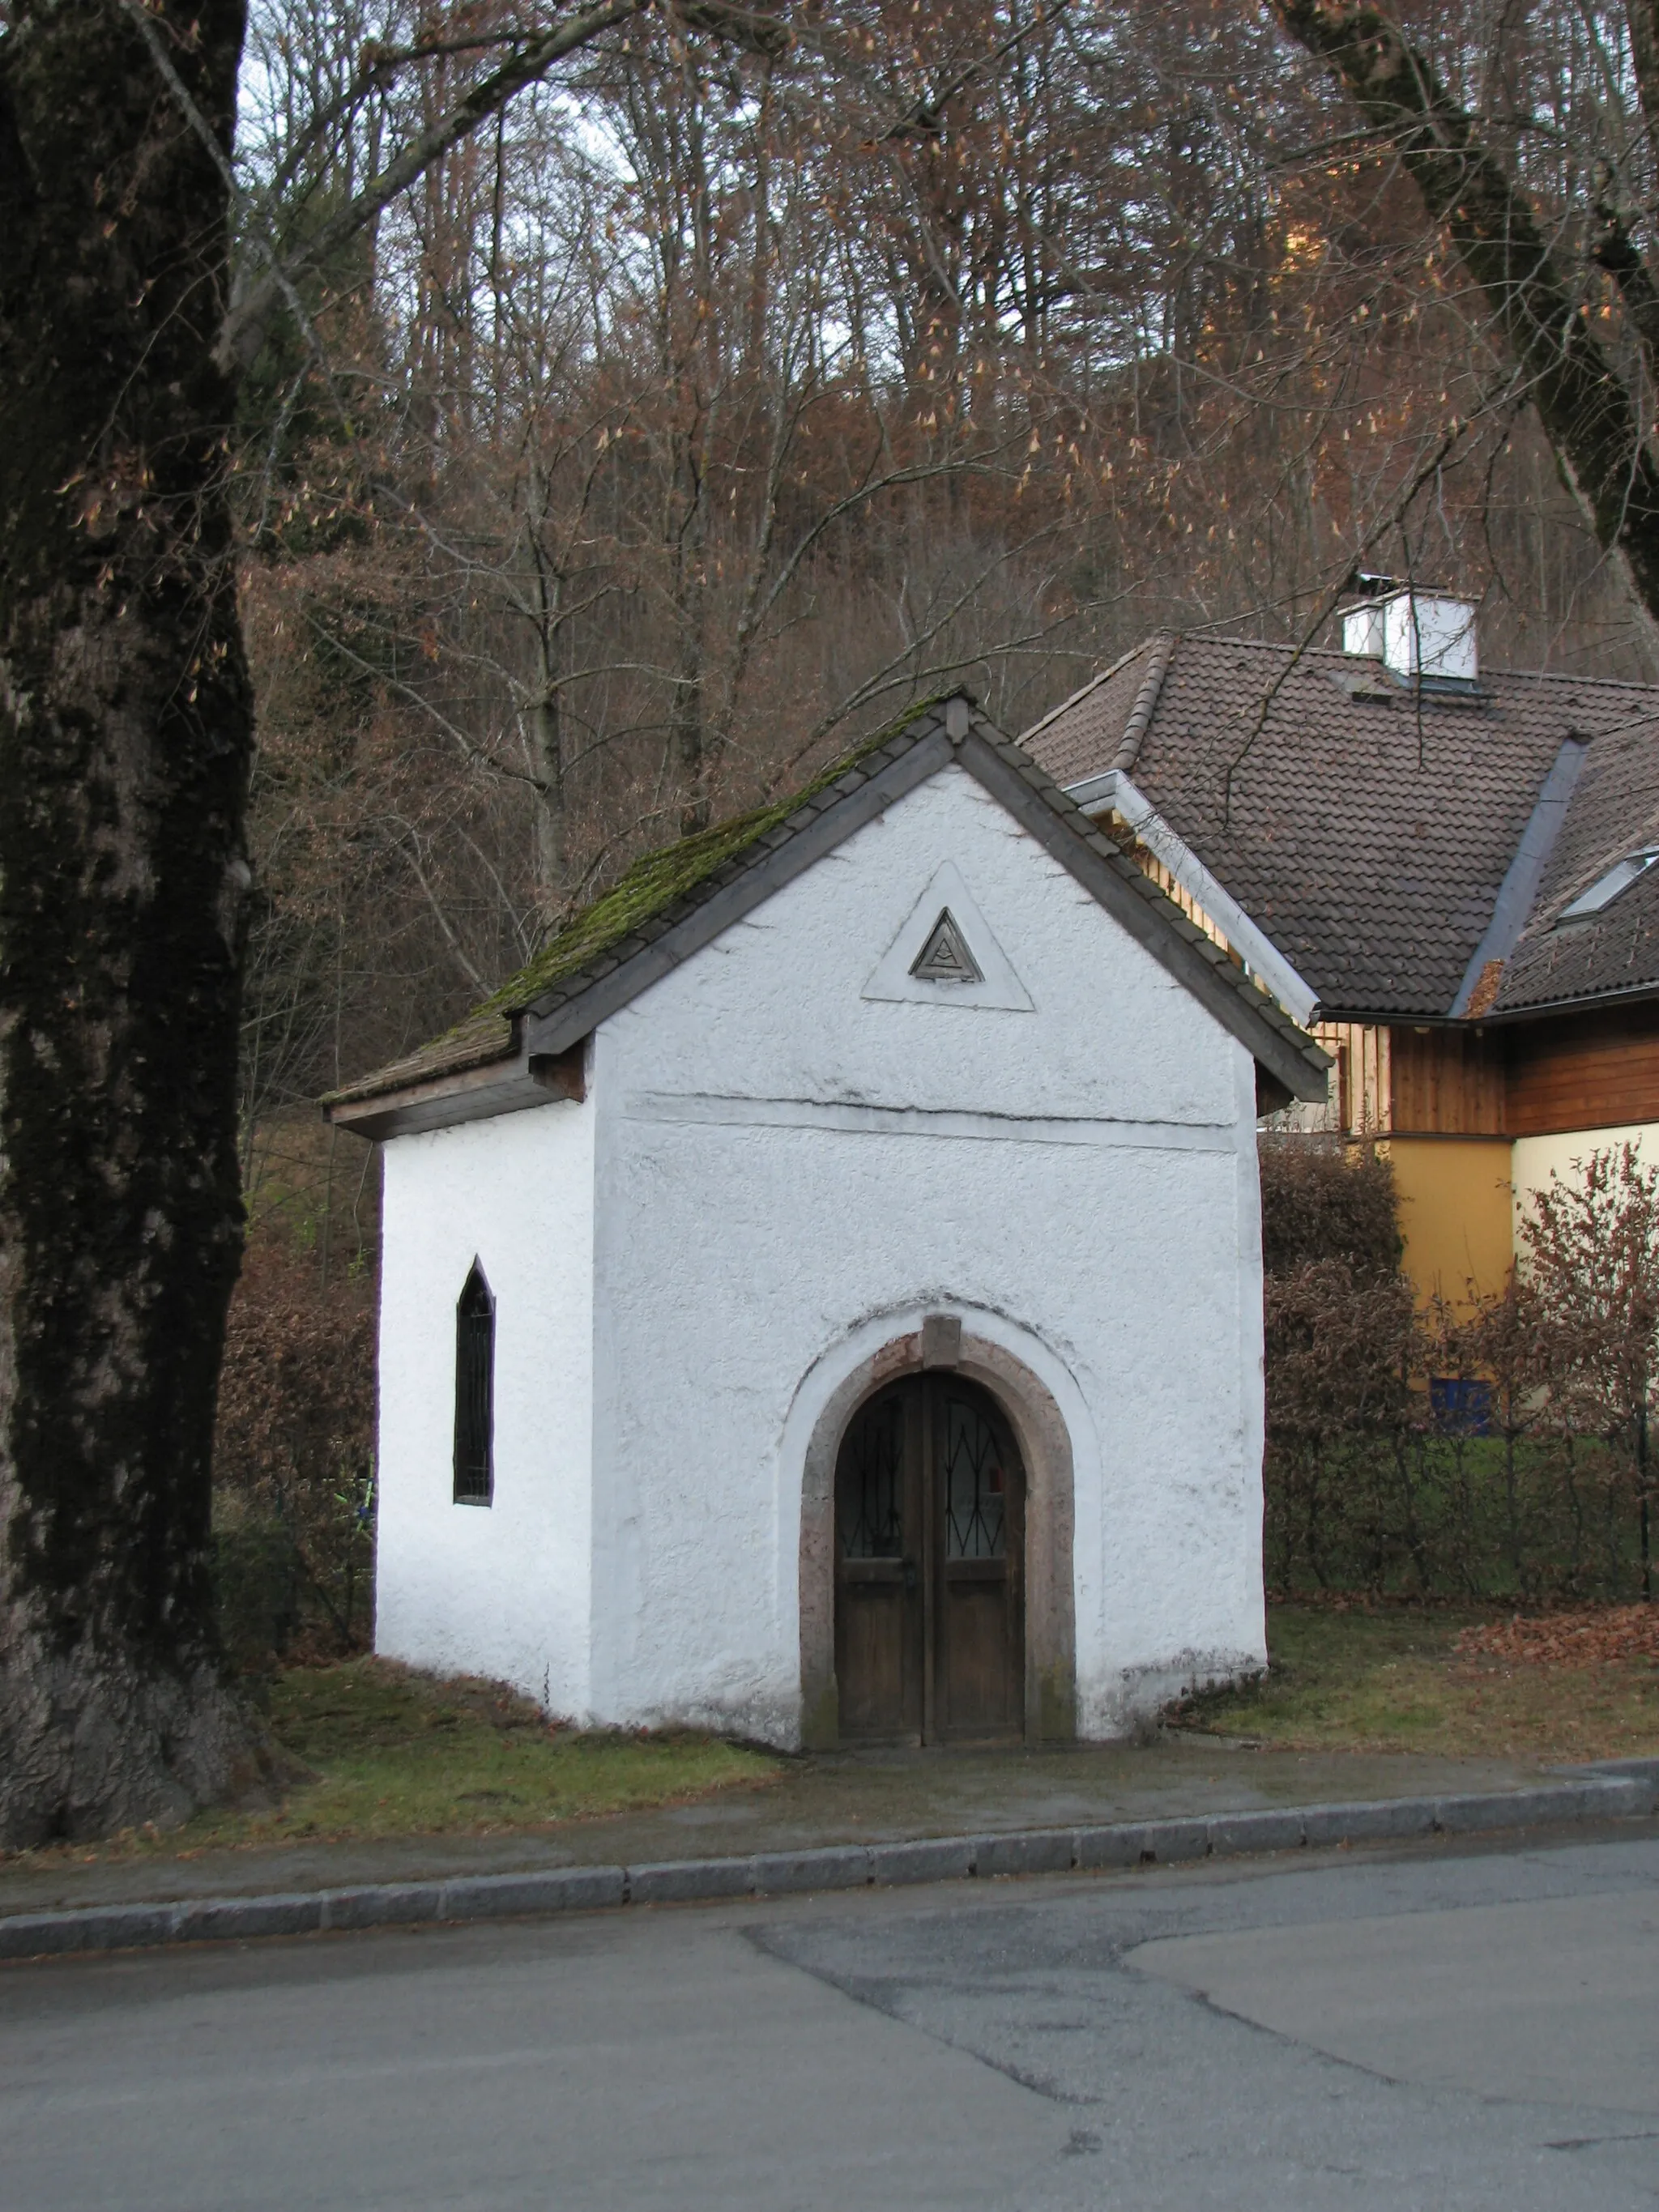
(1369, 828)
(634, 913)
(674, 901)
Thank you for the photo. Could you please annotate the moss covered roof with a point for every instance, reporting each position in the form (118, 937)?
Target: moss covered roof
(641, 905)
(564, 990)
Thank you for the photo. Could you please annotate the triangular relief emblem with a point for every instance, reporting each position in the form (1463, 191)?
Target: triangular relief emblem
(947, 954)
(944, 958)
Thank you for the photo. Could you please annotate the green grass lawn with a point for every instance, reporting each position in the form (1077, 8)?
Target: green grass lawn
(393, 1753)
(1392, 1679)
(380, 1750)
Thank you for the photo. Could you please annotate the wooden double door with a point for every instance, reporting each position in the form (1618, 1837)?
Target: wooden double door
(930, 1556)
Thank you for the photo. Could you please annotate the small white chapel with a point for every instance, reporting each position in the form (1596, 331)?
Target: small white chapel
(821, 1296)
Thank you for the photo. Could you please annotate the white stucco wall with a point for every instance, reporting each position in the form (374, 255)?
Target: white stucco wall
(774, 1175)
(785, 1168)
(500, 1590)
(1531, 1159)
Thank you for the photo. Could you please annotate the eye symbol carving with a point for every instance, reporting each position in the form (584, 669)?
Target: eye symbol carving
(944, 958)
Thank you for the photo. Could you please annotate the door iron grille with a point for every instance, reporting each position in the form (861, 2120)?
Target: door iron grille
(872, 1484)
(975, 1496)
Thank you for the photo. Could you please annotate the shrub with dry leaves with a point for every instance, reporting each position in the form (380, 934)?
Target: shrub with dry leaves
(1368, 1485)
(294, 1454)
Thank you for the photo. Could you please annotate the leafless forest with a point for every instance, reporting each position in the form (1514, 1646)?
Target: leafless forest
(707, 406)
(714, 401)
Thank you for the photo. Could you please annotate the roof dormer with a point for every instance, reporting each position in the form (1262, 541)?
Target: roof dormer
(1425, 639)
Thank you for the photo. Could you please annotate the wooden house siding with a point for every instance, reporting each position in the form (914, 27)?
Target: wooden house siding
(1592, 1071)
(1364, 1075)
(1584, 1071)
(1550, 1074)
(1575, 1071)
(1446, 1083)
(1357, 1104)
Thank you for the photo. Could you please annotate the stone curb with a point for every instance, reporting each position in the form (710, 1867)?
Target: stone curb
(1621, 1790)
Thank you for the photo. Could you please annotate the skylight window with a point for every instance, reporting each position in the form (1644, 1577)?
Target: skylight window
(1606, 888)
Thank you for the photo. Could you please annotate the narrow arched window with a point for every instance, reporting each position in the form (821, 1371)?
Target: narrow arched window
(474, 1391)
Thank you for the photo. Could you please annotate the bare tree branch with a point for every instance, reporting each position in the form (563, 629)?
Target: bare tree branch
(250, 313)
(1586, 409)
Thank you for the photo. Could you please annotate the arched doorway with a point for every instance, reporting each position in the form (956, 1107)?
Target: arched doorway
(930, 1496)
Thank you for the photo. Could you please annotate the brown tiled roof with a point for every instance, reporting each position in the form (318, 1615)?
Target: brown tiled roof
(1105, 720)
(672, 900)
(1367, 835)
(1614, 811)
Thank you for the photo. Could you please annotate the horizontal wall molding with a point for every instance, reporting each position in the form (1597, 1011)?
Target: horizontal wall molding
(836, 1118)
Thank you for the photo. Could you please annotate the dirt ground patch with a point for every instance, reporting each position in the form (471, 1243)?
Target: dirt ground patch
(1448, 1681)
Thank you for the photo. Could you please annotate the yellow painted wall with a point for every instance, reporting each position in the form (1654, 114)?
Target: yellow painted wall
(1456, 1212)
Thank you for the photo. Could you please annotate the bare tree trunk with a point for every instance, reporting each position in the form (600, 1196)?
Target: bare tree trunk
(547, 741)
(689, 600)
(760, 281)
(1588, 413)
(125, 739)
(547, 705)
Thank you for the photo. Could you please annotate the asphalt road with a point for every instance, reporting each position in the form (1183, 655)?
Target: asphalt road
(1438, 2029)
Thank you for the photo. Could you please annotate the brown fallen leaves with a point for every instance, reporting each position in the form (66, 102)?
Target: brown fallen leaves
(1599, 1638)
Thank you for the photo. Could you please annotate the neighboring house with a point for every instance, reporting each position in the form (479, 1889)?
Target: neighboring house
(821, 1296)
(1447, 873)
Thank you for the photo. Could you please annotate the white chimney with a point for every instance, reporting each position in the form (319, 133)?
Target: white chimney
(1418, 635)
(1362, 630)
(1425, 633)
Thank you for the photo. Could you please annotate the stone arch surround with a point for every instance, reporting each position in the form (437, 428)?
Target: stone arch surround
(1045, 1447)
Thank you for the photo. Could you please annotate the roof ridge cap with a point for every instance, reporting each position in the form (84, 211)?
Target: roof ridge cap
(1146, 699)
(1566, 676)
(1146, 644)
(1259, 644)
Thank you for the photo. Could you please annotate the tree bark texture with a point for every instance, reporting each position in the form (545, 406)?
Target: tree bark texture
(1587, 411)
(126, 737)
